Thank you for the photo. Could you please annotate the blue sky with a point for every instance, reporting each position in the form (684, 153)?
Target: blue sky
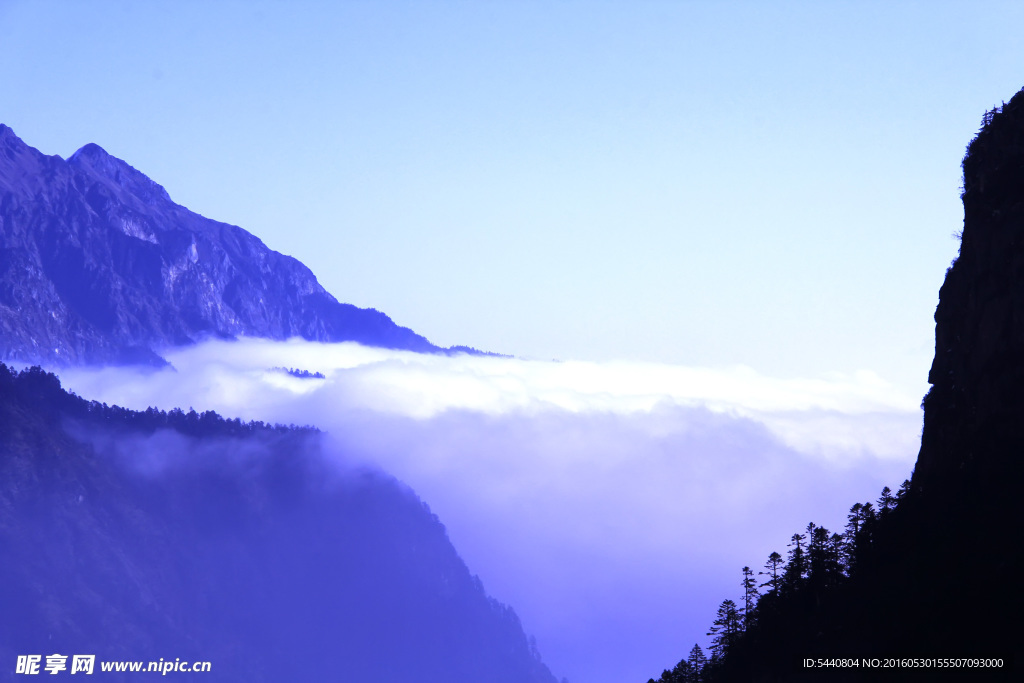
(772, 184)
(739, 214)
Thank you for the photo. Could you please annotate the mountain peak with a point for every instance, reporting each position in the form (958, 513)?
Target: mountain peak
(91, 151)
(105, 165)
(101, 266)
(21, 166)
(11, 145)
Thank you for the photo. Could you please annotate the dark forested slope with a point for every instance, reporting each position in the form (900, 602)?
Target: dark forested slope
(140, 536)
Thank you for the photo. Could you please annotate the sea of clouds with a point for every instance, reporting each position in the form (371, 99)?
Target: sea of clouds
(612, 504)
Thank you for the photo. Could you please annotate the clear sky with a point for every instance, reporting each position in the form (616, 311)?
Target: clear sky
(769, 184)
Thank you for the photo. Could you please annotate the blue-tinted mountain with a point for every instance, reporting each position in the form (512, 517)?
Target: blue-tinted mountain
(148, 535)
(99, 265)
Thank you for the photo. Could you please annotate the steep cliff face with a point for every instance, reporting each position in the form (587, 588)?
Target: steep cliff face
(97, 264)
(942, 575)
(934, 574)
(974, 413)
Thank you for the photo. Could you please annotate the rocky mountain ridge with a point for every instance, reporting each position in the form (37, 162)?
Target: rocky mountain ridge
(99, 265)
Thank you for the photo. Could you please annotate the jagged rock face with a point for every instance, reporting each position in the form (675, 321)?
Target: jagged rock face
(974, 413)
(98, 265)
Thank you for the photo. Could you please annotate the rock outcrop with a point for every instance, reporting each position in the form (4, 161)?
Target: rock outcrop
(98, 265)
(974, 412)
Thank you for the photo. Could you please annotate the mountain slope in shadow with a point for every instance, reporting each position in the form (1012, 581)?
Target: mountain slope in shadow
(148, 535)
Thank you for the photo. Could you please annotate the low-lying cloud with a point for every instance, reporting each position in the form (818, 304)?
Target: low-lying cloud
(611, 504)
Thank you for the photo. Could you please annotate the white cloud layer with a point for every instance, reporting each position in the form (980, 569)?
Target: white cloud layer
(612, 504)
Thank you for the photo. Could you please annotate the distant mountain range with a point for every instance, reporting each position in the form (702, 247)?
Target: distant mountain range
(99, 265)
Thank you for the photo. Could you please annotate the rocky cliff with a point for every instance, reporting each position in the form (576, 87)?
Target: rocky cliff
(926, 587)
(98, 265)
(974, 413)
